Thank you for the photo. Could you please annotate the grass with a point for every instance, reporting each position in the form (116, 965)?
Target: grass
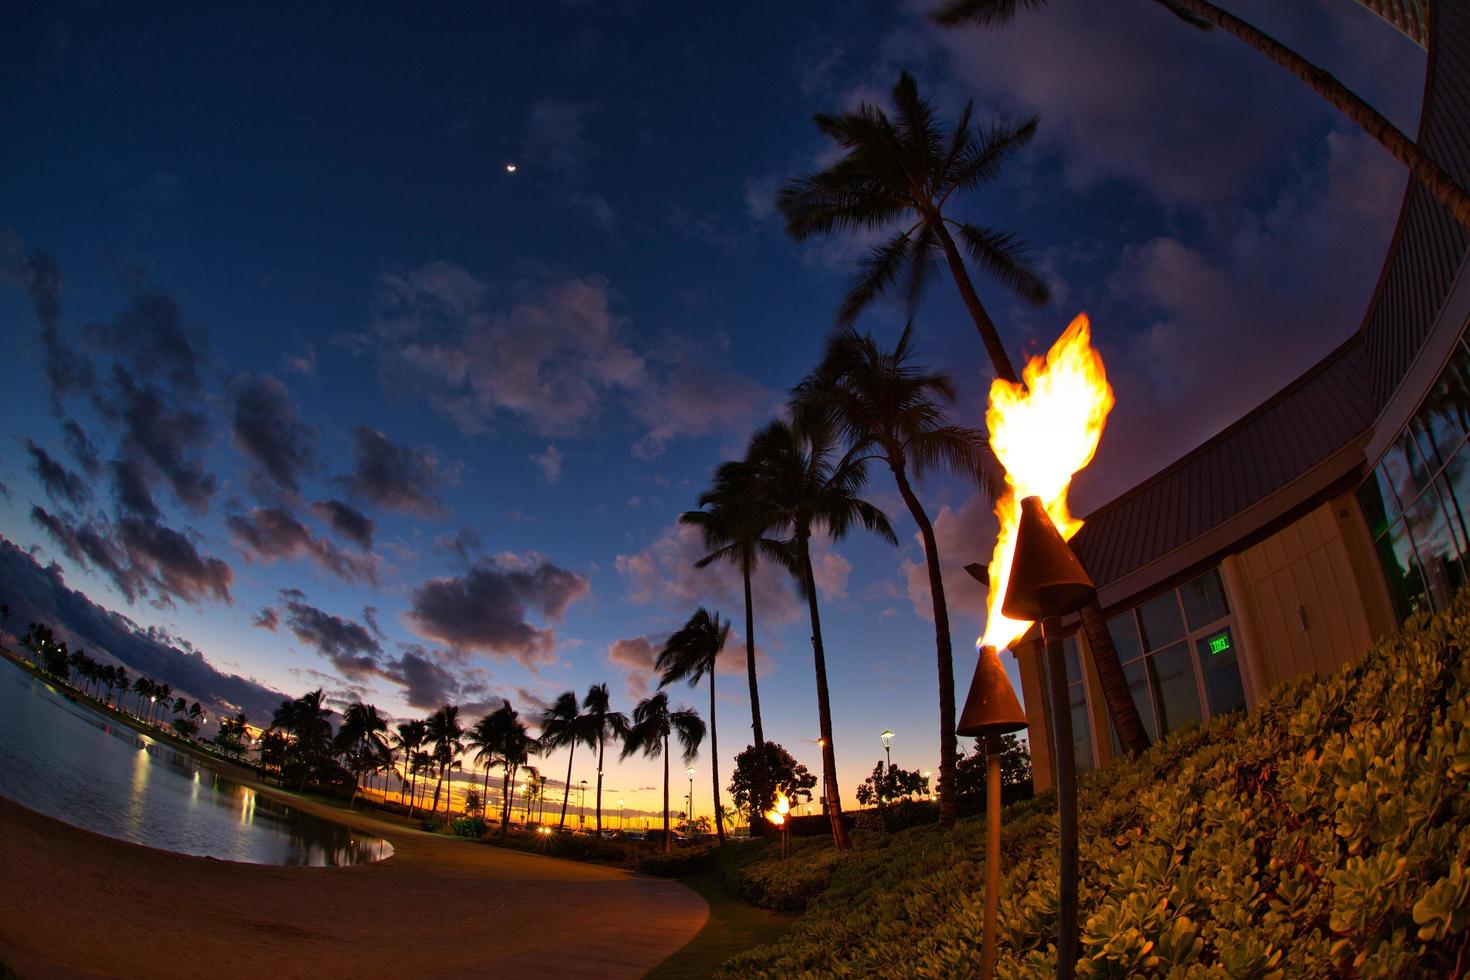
(734, 926)
(1324, 834)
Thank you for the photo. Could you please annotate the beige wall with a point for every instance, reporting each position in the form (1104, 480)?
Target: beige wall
(1308, 599)
(1322, 564)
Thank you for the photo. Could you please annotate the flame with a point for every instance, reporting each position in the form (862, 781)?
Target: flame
(777, 816)
(1043, 432)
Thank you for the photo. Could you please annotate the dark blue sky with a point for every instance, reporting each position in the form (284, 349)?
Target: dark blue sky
(298, 289)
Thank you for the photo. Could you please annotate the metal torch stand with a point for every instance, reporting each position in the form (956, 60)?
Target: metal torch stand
(992, 857)
(1066, 776)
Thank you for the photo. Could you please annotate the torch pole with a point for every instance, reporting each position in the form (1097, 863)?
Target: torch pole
(1066, 776)
(992, 858)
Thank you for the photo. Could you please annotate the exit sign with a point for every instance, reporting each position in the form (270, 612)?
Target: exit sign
(1219, 644)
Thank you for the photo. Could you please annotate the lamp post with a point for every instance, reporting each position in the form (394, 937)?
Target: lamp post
(1047, 582)
(689, 805)
(582, 805)
(621, 824)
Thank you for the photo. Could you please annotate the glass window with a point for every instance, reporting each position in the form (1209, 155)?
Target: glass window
(1439, 553)
(1456, 491)
(1124, 631)
(1176, 698)
(1438, 424)
(1137, 675)
(1162, 624)
(1379, 506)
(1401, 568)
(1406, 468)
(1074, 662)
(1204, 600)
(1223, 687)
(1081, 729)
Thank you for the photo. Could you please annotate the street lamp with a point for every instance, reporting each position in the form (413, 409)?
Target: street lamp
(621, 824)
(689, 804)
(582, 805)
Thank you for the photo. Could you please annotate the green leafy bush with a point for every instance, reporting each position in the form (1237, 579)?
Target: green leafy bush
(678, 863)
(755, 871)
(1325, 834)
(470, 827)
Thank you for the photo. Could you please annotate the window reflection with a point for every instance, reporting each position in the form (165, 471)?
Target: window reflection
(1176, 699)
(1204, 600)
(1161, 622)
(1223, 687)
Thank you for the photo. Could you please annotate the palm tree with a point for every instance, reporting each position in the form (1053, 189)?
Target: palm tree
(516, 748)
(733, 524)
(805, 490)
(408, 739)
(653, 723)
(143, 688)
(563, 724)
(689, 656)
(1205, 15)
(485, 738)
(906, 169)
(885, 405)
(444, 734)
(362, 738)
(307, 720)
(160, 698)
(597, 708)
(909, 166)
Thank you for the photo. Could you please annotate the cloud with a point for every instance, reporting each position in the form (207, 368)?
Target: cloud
(91, 545)
(426, 683)
(548, 360)
(462, 543)
(556, 136)
(60, 483)
(268, 430)
(267, 619)
(694, 399)
(487, 607)
(171, 562)
(1229, 318)
(40, 594)
(348, 645)
(549, 462)
(302, 361)
(150, 337)
(270, 534)
(397, 477)
(664, 572)
(962, 535)
(346, 521)
(636, 656)
(130, 490)
(81, 447)
(39, 275)
(164, 438)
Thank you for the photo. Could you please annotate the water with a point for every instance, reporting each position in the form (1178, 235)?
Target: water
(69, 762)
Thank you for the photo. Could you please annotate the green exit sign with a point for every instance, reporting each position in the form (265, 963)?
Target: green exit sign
(1219, 644)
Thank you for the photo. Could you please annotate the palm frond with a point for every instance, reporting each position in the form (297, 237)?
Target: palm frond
(1004, 257)
(879, 271)
(981, 13)
(981, 161)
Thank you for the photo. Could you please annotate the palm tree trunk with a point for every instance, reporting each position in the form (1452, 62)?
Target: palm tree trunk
(943, 645)
(1124, 713)
(1423, 169)
(485, 792)
(601, 745)
(505, 801)
(439, 784)
(988, 334)
(668, 845)
(824, 706)
(762, 778)
(714, 759)
(567, 789)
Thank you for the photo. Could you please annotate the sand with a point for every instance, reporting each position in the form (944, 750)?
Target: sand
(74, 903)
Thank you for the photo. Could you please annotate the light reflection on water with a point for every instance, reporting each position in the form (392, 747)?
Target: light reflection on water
(64, 760)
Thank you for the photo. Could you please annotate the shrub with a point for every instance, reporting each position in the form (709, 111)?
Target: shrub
(1325, 834)
(678, 863)
(755, 871)
(470, 827)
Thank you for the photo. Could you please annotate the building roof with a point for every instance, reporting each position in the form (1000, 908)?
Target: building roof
(1310, 421)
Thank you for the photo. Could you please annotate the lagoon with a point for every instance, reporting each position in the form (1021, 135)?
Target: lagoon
(67, 761)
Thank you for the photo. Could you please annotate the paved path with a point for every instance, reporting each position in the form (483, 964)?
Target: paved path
(73, 903)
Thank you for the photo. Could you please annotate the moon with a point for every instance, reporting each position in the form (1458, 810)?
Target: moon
(510, 168)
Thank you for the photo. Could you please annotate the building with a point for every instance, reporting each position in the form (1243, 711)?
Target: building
(1293, 539)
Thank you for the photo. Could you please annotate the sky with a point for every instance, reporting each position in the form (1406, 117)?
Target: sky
(306, 389)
